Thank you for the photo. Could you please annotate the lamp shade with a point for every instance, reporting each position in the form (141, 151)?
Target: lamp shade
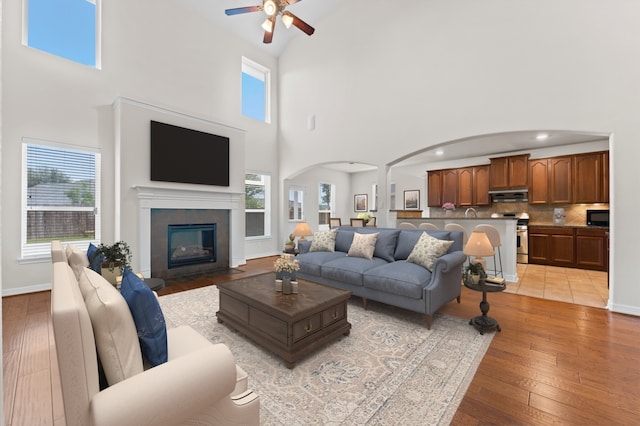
(302, 230)
(478, 245)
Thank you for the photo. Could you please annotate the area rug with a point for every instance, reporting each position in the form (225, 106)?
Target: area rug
(390, 370)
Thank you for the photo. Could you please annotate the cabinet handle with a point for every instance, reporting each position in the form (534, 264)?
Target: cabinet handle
(335, 314)
(308, 327)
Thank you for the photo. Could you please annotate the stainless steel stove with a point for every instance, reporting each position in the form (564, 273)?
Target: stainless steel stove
(522, 235)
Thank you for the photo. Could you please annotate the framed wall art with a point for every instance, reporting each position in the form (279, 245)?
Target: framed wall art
(360, 203)
(412, 199)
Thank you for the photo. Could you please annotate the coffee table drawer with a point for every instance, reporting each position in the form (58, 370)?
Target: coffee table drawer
(333, 314)
(306, 327)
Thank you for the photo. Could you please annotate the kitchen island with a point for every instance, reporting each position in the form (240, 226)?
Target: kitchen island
(505, 226)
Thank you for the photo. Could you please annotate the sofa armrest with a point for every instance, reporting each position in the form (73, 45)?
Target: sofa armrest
(449, 261)
(169, 393)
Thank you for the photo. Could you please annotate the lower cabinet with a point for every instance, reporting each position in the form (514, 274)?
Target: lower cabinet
(584, 248)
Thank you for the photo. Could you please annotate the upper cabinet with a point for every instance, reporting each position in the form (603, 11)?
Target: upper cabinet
(467, 186)
(590, 185)
(550, 180)
(509, 172)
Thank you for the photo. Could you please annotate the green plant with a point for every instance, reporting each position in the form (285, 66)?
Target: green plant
(475, 269)
(116, 252)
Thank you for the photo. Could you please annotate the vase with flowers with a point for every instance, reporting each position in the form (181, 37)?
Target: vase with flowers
(286, 266)
(448, 208)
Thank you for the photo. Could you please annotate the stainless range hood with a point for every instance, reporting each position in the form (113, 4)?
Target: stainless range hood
(510, 196)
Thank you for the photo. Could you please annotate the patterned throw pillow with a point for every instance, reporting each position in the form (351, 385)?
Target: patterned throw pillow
(427, 250)
(324, 241)
(363, 245)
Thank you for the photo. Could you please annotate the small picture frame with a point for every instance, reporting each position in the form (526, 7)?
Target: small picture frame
(360, 203)
(412, 199)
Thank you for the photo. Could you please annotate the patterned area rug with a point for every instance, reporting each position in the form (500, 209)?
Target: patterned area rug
(389, 370)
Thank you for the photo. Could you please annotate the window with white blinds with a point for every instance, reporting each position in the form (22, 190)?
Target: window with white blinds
(61, 195)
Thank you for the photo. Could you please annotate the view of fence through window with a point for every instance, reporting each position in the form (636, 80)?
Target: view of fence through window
(61, 194)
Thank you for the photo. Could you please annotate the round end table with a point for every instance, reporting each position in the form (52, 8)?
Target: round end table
(484, 322)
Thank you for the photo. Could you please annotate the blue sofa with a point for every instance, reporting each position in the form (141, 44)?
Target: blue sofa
(388, 277)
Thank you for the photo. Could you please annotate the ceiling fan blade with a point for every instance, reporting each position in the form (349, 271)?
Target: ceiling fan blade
(268, 35)
(292, 1)
(306, 28)
(239, 10)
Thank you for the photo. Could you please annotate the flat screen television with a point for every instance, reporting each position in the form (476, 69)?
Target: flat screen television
(188, 156)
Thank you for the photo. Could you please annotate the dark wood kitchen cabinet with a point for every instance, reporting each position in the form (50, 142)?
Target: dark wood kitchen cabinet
(550, 180)
(552, 246)
(592, 248)
(473, 186)
(450, 186)
(585, 248)
(509, 172)
(434, 188)
(590, 185)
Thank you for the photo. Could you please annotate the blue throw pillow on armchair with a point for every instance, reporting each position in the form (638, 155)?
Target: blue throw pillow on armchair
(95, 258)
(148, 317)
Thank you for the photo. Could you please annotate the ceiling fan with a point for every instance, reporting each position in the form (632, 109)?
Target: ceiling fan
(273, 8)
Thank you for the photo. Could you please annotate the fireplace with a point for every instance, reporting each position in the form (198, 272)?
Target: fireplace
(191, 244)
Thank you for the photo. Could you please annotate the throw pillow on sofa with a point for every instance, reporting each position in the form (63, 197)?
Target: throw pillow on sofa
(427, 250)
(148, 317)
(95, 258)
(324, 241)
(363, 245)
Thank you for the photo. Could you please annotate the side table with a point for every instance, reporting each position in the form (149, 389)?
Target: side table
(484, 322)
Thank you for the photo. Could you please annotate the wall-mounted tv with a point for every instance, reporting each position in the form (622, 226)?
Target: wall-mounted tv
(188, 156)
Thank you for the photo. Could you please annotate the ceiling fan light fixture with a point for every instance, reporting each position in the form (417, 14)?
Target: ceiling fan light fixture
(270, 8)
(267, 25)
(287, 19)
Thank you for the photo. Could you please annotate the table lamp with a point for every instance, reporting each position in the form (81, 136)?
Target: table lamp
(479, 246)
(302, 230)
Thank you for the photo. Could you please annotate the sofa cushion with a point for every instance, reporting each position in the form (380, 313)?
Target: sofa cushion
(427, 250)
(148, 317)
(344, 238)
(95, 259)
(77, 259)
(409, 237)
(324, 241)
(363, 245)
(400, 278)
(311, 263)
(386, 242)
(113, 328)
(349, 270)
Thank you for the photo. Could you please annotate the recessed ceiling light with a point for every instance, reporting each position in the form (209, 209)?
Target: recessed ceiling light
(439, 152)
(542, 137)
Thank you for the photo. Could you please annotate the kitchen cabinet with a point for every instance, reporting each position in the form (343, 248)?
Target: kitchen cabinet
(467, 186)
(589, 180)
(552, 246)
(509, 172)
(434, 188)
(584, 248)
(473, 186)
(550, 180)
(592, 249)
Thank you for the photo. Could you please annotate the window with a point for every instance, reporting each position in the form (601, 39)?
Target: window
(61, 195)
(255, 91)
(257, 205)
(65, 28)
(296, 210)
(325, 203)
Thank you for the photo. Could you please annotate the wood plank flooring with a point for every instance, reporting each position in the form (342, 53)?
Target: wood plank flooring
(553, 362)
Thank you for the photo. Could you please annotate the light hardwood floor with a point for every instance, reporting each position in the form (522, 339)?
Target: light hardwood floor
(553, 362)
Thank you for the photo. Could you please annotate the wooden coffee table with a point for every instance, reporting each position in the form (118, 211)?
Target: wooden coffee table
(289, 325)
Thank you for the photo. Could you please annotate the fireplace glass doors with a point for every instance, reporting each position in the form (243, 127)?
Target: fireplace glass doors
(191, 244)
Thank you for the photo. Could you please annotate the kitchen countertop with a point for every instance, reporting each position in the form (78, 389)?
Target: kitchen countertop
(553, 225)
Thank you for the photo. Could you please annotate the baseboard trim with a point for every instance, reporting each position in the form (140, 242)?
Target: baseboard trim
(625, 309)
(26, 290)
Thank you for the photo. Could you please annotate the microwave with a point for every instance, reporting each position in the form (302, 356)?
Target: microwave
(598, 218)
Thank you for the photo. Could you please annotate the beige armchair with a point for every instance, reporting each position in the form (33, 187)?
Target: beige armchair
(199, 385)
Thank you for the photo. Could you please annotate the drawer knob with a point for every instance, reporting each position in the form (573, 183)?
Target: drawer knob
(308, 327)
(335, 314)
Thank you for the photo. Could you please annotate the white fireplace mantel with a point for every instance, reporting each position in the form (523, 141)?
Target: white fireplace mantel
(155, 197)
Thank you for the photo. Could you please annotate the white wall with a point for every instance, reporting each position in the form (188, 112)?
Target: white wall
(155, 52)
(443, 70)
